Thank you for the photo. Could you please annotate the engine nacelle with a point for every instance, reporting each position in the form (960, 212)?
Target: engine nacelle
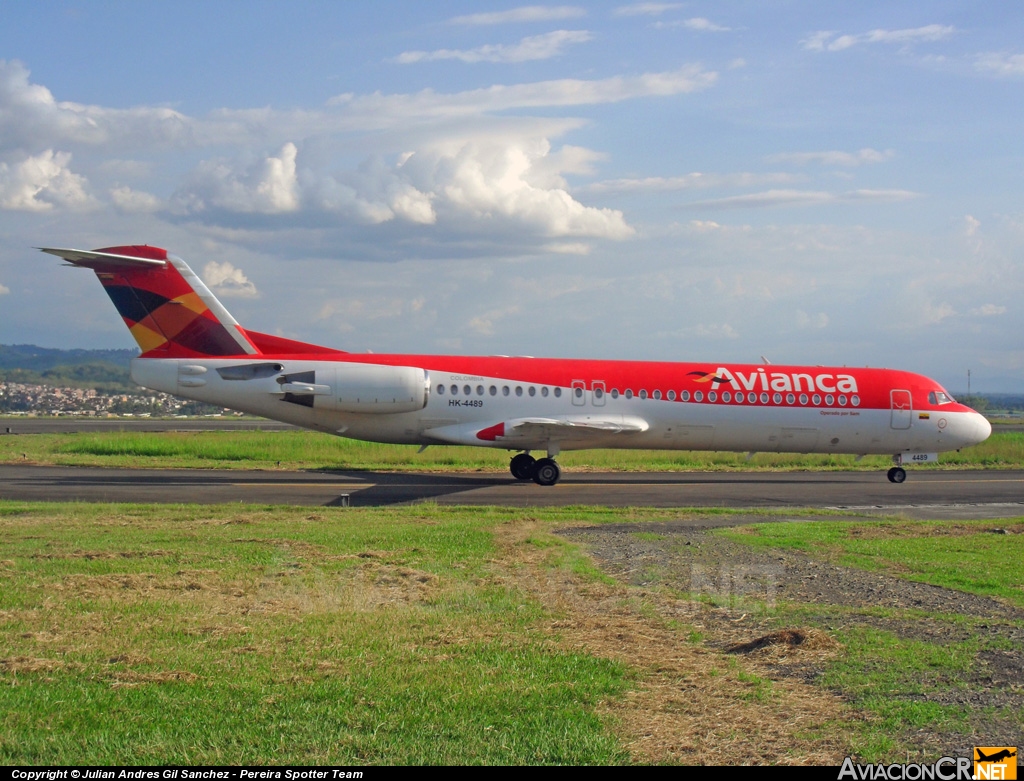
(373, 389)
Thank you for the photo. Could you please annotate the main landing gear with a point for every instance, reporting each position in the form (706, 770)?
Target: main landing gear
(543, 471)
(897, 474)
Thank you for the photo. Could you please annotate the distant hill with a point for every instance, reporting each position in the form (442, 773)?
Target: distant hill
(28, 356)
(104, 370)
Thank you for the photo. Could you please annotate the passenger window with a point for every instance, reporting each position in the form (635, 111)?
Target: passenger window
(519, 390)
(493, 391)
(671, 395)
(467, 390)
(643, 394)
(479, 390)
(455, 390)
(685, 395)
(629, 393)
(698, 396)
(657, 395)
(440, 390)
(615, 393)
(712, 396)
(726, 396)
(543, 391)
(504, 390)
(532, 391)
(558, 393)
(599, 393)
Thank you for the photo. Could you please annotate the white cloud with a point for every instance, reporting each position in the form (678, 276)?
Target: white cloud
(989, 310)
(463, 186)
(933, 314)
(845, 159)
(823, 40)
(972, 225)
(703, 25)
(134, 201)
(226, 280)
(40, 182)
(567, 248)
(268, 186)
(704, 226)
(534, 47)
(802, 198)
(493, 182)
(4, 290)
(697, 23)
(485, 324)
(31, 118)
(1000, 64)
(645, 9)
(690, 181)
(702, 331)
(526, 13)
(382, 111)
(818, 321)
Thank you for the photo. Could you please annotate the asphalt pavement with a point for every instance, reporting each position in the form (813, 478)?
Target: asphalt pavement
(926, 493)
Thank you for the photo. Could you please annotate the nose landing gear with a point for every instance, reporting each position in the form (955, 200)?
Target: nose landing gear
(897, 474)
(543, 471)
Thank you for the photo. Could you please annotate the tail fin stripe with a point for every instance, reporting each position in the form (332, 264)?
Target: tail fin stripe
(134, 304)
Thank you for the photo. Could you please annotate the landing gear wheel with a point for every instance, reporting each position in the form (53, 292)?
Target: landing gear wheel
(522, 466)
(897, 474)
(546, 472)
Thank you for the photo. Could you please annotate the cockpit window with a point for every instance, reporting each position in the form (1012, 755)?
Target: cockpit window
(939, 397)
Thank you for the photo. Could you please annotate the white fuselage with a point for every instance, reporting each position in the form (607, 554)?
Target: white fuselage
(411, 405)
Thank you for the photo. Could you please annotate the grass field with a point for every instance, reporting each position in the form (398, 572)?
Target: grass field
(195, 635)
(309, 450)
(921, 668)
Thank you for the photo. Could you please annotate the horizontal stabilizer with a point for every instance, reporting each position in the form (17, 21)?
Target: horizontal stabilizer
(108, 261)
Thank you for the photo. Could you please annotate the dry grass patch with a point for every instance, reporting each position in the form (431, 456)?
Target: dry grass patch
(694, 705)
(888, 531)
(787, 643)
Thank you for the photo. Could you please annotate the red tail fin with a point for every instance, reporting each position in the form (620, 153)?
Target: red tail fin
(168, 309)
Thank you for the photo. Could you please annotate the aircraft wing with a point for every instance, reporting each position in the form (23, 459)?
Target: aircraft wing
(538, 432)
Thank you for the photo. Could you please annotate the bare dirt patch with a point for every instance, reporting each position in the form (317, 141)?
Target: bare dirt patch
(732, 589)
(694, 704)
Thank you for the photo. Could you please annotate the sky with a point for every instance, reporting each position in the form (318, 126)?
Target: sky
(811, 182)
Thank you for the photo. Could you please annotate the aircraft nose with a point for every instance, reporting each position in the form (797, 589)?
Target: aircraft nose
(983, 429)
(975, 428)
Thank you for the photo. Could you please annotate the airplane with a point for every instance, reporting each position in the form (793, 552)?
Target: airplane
(193, 348)
(996, 757)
